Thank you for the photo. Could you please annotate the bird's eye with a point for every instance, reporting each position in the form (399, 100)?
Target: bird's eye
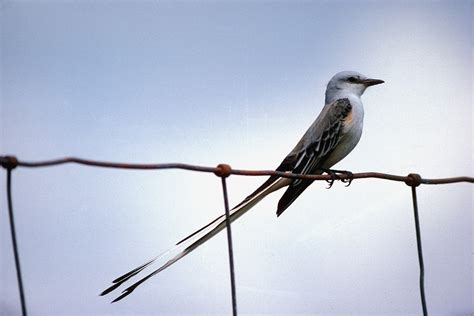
(352, 79)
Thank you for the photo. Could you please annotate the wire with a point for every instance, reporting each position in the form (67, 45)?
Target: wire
(223, 171)
(420, 251)
(215, 170)
(15, 246)
(229, 243)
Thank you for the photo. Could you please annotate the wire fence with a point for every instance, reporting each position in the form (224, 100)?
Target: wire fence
(223, 171)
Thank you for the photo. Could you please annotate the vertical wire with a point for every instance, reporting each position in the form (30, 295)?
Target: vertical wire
(15, 247)
(420, 251)
(231, 251)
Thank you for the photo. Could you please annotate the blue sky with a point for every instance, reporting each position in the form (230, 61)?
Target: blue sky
(237, 82)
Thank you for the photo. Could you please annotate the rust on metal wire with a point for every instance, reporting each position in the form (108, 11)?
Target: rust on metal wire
(9, 162)
(413, 180)
(225, 170)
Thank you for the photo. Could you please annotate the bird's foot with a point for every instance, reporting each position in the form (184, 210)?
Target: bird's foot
(334, 176)
(348, 179)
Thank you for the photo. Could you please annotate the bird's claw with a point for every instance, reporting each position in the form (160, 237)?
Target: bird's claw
(333, 174)
(348, 180)
(330, 183)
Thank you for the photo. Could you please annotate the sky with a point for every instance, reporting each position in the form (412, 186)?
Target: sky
(207, 82)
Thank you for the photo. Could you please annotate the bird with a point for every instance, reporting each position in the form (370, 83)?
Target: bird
(331, 137)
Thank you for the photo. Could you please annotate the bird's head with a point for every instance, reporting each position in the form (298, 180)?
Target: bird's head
(348, 82)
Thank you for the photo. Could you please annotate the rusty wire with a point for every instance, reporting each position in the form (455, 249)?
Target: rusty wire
(217, 170)
(223, 171)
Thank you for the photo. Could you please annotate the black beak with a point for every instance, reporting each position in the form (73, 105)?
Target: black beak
(371, 82)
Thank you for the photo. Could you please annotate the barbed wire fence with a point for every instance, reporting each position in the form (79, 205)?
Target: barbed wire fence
(223, 171)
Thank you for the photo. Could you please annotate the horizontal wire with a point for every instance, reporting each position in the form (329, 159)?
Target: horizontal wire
(4, 160)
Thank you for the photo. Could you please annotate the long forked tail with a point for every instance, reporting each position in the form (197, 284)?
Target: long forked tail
(188, 244)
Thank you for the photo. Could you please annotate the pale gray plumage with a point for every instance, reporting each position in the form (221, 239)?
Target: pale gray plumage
(333, 135)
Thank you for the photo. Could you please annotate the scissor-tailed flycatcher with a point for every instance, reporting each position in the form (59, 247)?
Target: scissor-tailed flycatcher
(333, 135)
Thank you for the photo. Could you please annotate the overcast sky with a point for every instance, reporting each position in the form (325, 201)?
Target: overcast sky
(237, 82)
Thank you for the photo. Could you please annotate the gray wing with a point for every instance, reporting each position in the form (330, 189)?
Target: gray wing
(318, 141)
(313, 148)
